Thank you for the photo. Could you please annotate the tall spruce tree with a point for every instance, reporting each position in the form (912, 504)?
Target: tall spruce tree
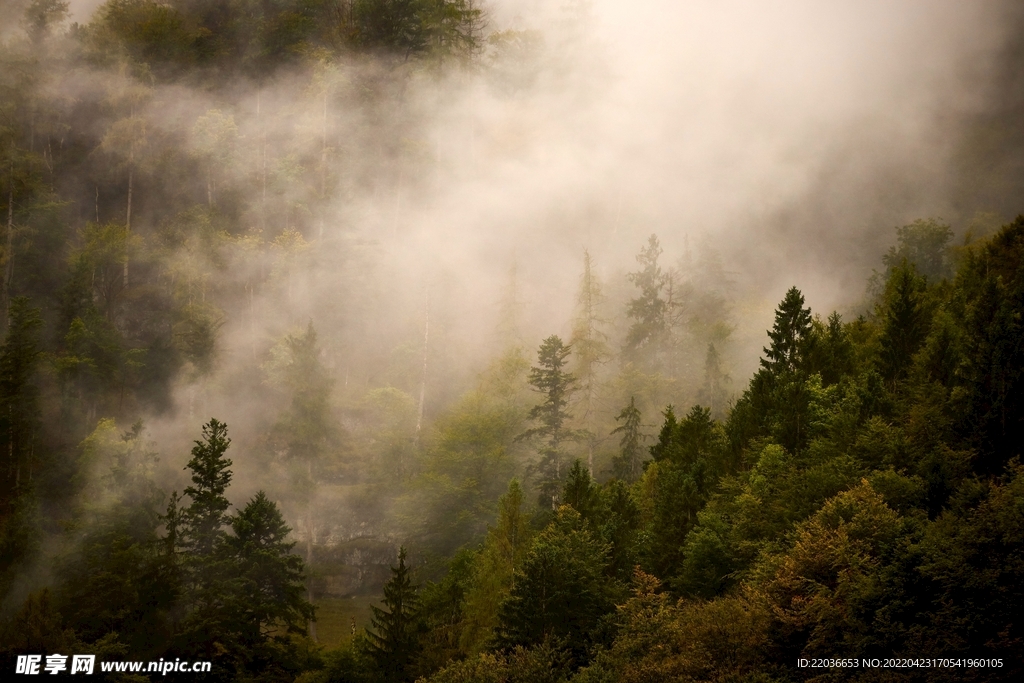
(208, 617)
(648, 310)
(626, 465)
(392, 641)
(550, 379)
(271, 591)
(206, 516)
(789, 336)
(904, 319)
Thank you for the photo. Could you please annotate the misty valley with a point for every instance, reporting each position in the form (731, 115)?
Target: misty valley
(550, 341)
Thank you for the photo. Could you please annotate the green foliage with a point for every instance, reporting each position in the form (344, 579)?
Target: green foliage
(626, 465)
(467, 465)
(19, 409)
(205, 516)
(562, 593)
(581, 493)
(790, 336)
(272, 592)
(905, 320)
(925, 244)
(495, 570)
(119, 580)
(550, 379)
(541, 664)
(648, 310)
(392, 641)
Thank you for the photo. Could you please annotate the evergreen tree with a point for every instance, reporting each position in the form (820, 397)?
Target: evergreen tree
(789, 336)
(712, 391)
(904, 319)
(582, 493)
(832, 355)
(496, 569)
(556, 385)
(649, 309)
(205, 516)
(687, 464)
(118, 579)
(778, 393)
(392, 640)
(924, 243)
(626, 465)
(271, 591)
(306, 432)
(209, 625)
(563, 592)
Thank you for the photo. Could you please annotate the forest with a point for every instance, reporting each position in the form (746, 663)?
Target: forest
(311, 370)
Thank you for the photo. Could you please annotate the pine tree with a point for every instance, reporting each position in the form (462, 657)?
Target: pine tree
(209, 611)
(582, 493)
(556, 385)
(205, 516)
(832, 355)
(271, 592)
(712, 391)
(789, 336)
(392, 641)
(925, 244)
(784, 372)
(649, 309)
(562, 593)
(904, 321)
(626, 465)
(306, 431)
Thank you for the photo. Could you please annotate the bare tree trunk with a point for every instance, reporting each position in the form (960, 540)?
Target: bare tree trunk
(323, 166)
(263, 160)
(423, 376)
(252, 320)
(9, 265)
(128, 219)
(309, 549)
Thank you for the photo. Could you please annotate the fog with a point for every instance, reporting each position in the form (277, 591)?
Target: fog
(771, 145)
(789, 139)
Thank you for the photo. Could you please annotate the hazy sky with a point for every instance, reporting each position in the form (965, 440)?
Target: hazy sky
(790, 136)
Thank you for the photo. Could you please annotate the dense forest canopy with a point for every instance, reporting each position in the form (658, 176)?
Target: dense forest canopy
(444, 340)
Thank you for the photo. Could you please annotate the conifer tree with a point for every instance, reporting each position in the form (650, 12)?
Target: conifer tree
(626, 465)
(832, 355)
(205, 516)
(562, 593)
(904, 321)
(582, 493)
(550, 379)
(712, 391)
(649, 309)
(208, 625)
(272, 591)
(496, 569)
(789, 336)
(392, 641)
